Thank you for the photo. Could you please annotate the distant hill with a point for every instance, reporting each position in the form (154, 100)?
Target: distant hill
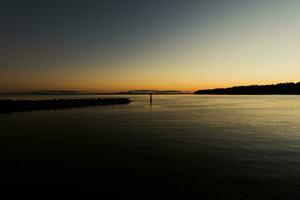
(281, 88)
(155, 92)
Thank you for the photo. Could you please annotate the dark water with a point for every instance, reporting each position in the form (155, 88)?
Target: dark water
(183, 146)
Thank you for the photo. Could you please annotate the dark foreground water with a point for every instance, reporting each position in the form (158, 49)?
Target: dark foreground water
(184, 146)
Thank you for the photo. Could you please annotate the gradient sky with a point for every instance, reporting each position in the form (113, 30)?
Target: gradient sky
(119, 45)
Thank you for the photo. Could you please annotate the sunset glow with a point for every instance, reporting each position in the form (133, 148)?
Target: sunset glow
(155, 45)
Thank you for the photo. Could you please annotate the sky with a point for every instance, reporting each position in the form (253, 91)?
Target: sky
(118, 45)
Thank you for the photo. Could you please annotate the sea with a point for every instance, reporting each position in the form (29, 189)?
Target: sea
(180, 147)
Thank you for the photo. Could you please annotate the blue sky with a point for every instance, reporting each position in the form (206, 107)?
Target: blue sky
(116, 45)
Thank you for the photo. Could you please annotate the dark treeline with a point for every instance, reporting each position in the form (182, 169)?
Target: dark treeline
(281, 88)
(7, 106)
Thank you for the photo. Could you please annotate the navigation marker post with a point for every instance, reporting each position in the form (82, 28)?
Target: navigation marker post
(150, 98)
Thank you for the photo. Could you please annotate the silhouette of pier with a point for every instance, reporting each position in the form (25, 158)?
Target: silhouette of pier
(8, 106)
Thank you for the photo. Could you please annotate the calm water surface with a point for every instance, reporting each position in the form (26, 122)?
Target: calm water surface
(183, 146)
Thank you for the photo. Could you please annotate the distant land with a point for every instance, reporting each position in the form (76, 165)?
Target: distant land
(45, 92)
(155, 92)
(73, 92)
(281, 88)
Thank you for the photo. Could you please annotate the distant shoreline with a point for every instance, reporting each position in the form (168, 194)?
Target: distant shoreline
(278, 89)
(9, 106)
(72, 93)
(86, 94)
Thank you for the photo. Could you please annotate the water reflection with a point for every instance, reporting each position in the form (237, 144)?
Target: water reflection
(239, 147)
